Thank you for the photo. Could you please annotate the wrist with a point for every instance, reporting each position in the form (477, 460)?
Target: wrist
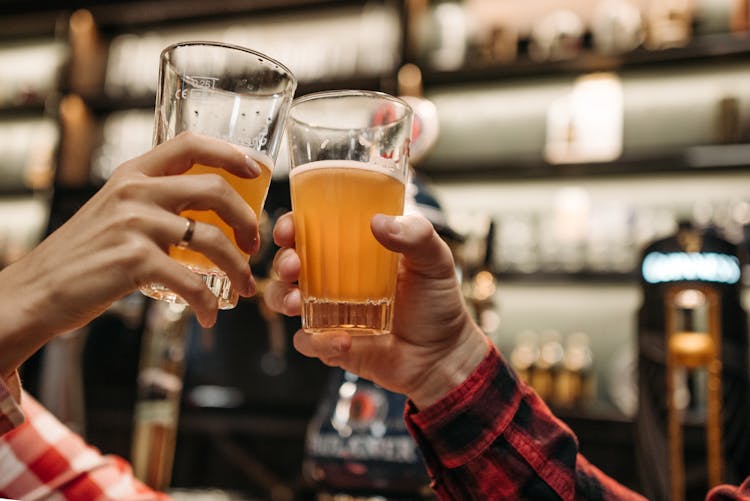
(451, 370)
(24, 306)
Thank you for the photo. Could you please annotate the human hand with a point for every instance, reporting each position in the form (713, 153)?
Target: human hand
(434, 345)
(118, 242)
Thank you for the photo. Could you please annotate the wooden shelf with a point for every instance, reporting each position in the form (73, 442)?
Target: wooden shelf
(707, 159)
(23, 110)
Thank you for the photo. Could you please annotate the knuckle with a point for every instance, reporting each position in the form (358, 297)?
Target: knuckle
(128, 187)
(186, 137)
(132, 219)
(135, 253)
(217, 185)
(213, 233)
(195, 285)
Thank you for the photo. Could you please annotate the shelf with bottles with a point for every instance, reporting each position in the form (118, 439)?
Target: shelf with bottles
(116, 69)
(685, 121)
(469, 40)
(717, 47)
(590, 232)
(32, 73)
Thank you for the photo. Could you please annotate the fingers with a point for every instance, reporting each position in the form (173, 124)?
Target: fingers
(330, 347)
(180, 153)
(280, 294)
(283, 231)
(212, 243)
(283, 297)
(417, 240)
(210, 191)
(286, 265)
(188, 285)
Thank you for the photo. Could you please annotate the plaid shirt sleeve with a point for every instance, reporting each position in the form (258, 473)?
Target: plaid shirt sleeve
(41, 459)
(493, 438)
(11, 414)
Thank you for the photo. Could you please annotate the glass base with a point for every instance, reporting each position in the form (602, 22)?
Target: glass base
(357, 318)
(217, 282)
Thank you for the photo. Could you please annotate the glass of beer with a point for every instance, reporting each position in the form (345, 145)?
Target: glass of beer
(234, 94)
(349, 161)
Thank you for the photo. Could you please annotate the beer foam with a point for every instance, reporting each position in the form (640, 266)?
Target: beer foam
(348, 164)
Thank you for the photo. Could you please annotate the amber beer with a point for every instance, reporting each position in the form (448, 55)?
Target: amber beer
(253, 191)
(232, 93)
(348, 278)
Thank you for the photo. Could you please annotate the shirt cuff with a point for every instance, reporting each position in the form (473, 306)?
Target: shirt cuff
(465, 422)
(11, 414)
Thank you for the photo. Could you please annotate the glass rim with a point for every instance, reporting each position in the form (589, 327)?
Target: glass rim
(239, 48)
(313, 96)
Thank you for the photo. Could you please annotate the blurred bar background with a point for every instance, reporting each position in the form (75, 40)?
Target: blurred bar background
(572, 134)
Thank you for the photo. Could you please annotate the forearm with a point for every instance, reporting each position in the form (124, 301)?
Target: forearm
(24, 309)
(493, 438)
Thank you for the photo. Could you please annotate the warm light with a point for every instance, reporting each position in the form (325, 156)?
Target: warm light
(690, 299)
(586, 125)
(72, 108)
(81, 21)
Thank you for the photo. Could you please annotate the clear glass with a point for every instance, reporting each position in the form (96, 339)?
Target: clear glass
(349, 153)
(232, 93)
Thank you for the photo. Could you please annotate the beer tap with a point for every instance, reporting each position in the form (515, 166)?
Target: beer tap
(483, 284)
(693, 338)
(160, 383)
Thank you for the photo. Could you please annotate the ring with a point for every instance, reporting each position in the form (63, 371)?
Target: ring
(188, 235)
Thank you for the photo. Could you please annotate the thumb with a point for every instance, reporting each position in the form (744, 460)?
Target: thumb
(415, 238)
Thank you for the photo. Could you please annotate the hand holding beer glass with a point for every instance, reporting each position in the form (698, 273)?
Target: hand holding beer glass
(234, 94)
(349, 158)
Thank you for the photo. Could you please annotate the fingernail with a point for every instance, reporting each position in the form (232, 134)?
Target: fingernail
(291, 296)
(393, 225)
(252, 166)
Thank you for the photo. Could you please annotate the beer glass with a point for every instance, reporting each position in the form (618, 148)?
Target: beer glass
(234, 94)
(349, 160)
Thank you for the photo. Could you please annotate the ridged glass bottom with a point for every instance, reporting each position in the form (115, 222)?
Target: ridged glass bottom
(216, 281)
(359, 319)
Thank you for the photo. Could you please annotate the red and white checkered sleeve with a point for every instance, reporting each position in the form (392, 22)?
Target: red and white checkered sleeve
(43, 459)
(11, 414)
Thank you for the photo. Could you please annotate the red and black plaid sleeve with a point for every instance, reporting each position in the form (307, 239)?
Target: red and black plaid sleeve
(494, 438)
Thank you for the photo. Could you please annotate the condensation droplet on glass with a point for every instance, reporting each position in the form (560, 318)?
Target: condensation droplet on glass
(244, 114)
(268, 119)
(196, 113)
(324, 144)
(257, 112)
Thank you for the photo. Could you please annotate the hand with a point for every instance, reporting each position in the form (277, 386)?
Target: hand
(118, 241)
(434, 346)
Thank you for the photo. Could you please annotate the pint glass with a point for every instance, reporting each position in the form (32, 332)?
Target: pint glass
(232, 93)
(349, 157)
